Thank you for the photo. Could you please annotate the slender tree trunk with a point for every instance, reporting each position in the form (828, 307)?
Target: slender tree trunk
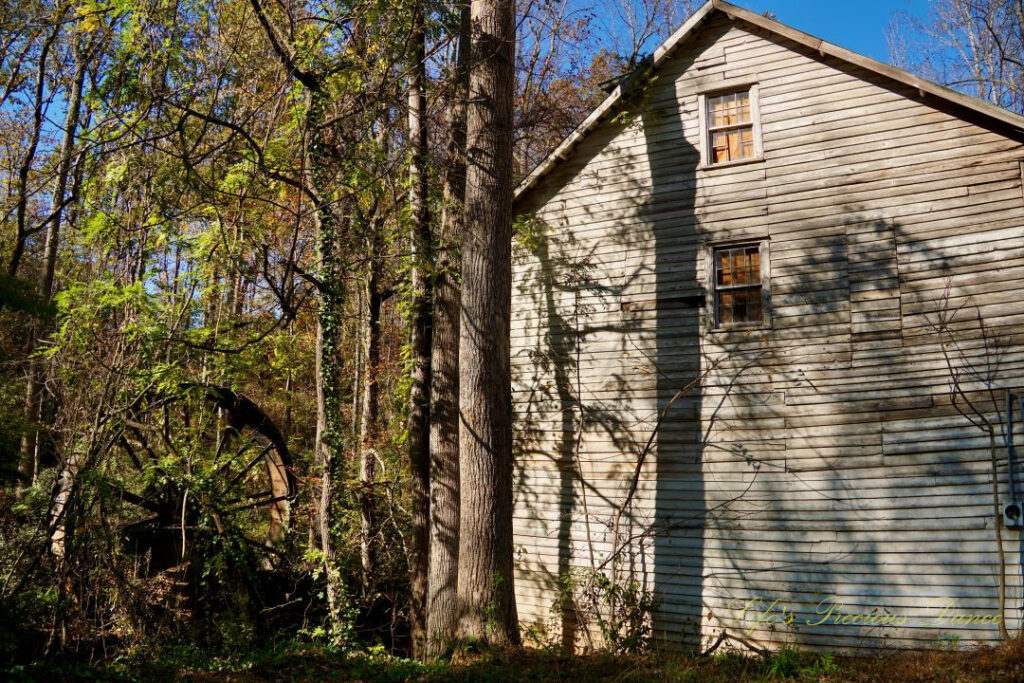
(419, 400)
(65, 162)
(36, 369)
(444, 385)
(370, 418)
(998, 528)
(357, 374)
(38, 114)
(485, 599)
(59, 507)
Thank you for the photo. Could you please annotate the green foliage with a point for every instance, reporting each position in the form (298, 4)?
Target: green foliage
(300, 660)
(341, 633)
(621, 610)
(87, 311)
(529, 233)
(784, 663)
(627, 626)
(951, 641)
(824, 666)
(637, 102)
(18, 615)
(11, 428)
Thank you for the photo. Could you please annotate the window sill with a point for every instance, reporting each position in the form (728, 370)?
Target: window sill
(740, 330)
(731, 164)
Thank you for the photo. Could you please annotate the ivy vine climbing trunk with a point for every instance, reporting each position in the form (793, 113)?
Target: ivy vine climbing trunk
(485, 601)
(328, 210)
(419, 400)
(444, 385)
(328, 337)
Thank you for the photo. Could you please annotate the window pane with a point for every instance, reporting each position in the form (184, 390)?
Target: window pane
(730, 145)
(723, 265)
(720, 147)
(746, 143)
(738, 265)
(754, 307)
(739, 306)
(725, 308)
(725, 275)
(752, 273)
(729, 110)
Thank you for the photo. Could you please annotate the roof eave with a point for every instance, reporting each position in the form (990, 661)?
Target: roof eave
(560, 153)
(922, 85)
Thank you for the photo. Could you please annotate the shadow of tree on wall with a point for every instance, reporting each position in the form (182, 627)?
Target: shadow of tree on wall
(565, 292)
(600, 375)
(572, 381)
(761, 461)
(680, 506)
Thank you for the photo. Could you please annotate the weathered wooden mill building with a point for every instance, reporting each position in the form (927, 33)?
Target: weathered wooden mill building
(767, 305)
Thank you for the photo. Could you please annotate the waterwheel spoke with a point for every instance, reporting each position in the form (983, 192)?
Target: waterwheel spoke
(136, 499)
(142, 522)
(127, 446)
(242, 448)
(251, 496)
(261, 545)
(222, 442)
(259, 503)
(252, 463)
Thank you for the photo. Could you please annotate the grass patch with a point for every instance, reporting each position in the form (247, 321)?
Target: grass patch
(305, 662)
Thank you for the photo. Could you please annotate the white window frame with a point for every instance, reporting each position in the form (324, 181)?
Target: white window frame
(764, 258)
(705, 129)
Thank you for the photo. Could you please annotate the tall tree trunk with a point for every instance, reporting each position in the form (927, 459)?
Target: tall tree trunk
(485, 600)
(444, 384)
(36, 370)
(370, 418)
(419, 400)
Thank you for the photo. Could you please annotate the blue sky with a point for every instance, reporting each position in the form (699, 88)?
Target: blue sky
(858, 26)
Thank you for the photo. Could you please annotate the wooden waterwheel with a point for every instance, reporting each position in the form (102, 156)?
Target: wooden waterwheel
(234, 481)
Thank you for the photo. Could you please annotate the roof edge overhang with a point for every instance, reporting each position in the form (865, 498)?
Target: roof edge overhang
(823, 48)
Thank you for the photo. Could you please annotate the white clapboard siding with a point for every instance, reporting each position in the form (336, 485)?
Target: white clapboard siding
(821, 459)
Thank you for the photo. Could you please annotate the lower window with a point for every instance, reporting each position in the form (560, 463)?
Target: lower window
(739, 278)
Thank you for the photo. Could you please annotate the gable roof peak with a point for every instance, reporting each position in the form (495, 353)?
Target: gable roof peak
(925, 87)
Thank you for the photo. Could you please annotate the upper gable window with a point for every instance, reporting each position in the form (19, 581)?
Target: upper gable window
(731, 127)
